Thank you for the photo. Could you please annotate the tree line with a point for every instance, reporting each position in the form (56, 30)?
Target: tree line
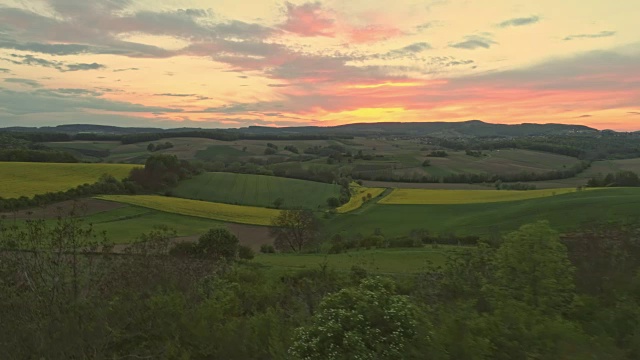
(601, 146)
(466, 178)
(620, 179)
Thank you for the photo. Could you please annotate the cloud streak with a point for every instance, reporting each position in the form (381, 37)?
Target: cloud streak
(601, 34)
(473, 42)
(521, 21)
(30, 60)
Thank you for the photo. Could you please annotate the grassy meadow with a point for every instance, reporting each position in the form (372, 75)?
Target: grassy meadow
(28, 179)
(256, 190)
(202, 209)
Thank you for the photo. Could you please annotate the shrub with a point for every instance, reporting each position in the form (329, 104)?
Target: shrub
(333, 202)
(245, 252)
(218, 243)
(184, 249)
(404, 242)
(267, 249)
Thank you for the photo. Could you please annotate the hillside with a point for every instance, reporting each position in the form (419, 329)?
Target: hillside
(564, 212)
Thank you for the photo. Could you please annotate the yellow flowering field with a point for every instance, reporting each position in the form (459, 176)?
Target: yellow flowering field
(204, 209)
(30, 178)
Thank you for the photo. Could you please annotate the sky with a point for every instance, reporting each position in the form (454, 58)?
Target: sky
(238, 63)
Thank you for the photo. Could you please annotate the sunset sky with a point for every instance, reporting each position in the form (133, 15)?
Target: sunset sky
(236, 63)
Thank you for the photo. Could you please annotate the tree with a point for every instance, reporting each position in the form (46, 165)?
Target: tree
(369, 321)
(532, 266)
(426, 163)
(293, 229)
(151, 147)
(333, 202)
(219, 244)
(278, 202)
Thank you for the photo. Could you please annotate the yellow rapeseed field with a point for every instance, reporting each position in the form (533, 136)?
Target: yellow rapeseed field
(204, 209)
(356, 202)
(429, 196)
(28, 179)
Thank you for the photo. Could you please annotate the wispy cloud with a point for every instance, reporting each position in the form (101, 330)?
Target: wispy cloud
(601, 34)
(31, 60)
(473, 42)
(408, 50)
(127, 69)
(521, 21)
(27, 82)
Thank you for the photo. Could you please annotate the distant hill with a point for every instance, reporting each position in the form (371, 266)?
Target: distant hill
(84, 128)
(441, 129)
(445, 129)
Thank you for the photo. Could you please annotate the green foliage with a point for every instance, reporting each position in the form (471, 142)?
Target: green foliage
(294, 229)
(532, 266)
(619, 179)
(267, 249)
(245, 252)
(333, 202)
(218, 244)
(366, 322)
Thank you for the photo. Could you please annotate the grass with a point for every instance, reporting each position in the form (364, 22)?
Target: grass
(28, 179)
(356, 198)
(564, 212)
(202, 209)
(124, 225)
(377, 260)
(256, 190)
(428, 196)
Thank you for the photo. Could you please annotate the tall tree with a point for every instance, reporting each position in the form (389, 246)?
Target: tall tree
(532, 266)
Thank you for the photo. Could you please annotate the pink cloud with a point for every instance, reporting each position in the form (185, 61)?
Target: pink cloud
(372, 33)
(309, 19)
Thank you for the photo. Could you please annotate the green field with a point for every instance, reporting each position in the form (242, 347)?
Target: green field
(432, 197)
(124, 225)
(256, 190)
(28, 179)
(218, 151)
(564, 212)
(216, 211)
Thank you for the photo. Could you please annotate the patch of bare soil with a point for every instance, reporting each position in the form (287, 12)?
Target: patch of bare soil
(81, 207)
